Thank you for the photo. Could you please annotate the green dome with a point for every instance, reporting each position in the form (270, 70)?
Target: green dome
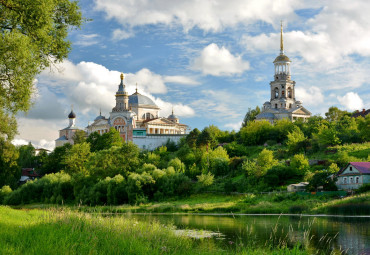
(282, 58)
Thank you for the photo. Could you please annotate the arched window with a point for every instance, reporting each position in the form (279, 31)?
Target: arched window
(357, 179)
(147, 116)
(276, 92)
(275, 106)
(345, 180)
(282, 93)
(351, 180)
(289, 92)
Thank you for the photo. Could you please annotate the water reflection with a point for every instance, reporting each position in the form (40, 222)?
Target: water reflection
(325, 234)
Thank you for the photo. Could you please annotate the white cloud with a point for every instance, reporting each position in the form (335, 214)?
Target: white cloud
(234, 126)
(87, 40)
(351, 101)
(180, 80)
(311, 96)
(219, 61)
(49, 145)
(119, 34)
(207, 15)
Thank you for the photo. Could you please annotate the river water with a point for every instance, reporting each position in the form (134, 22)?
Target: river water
(349, 235)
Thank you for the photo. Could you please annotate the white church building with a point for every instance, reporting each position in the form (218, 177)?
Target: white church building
(136, 118)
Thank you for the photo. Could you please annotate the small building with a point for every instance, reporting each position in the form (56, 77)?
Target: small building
(28, 174)
(353, 175)
(297, 187)
(362, 113)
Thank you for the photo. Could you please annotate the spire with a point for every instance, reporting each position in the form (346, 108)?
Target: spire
(172, 110)
(100, 112)
(136, 87)
(122, 76)
(281, 39)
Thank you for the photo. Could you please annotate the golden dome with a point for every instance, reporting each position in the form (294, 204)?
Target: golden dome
(281, 58)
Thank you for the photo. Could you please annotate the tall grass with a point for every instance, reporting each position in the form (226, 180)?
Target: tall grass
(55, 231)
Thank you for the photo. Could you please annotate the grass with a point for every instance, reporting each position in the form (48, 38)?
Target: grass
(62, 231)
(250, 204)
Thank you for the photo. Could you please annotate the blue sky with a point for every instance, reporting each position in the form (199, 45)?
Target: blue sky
(209, 60)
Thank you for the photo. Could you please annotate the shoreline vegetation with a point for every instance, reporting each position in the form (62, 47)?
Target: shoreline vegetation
(64, 231)
(357, 205)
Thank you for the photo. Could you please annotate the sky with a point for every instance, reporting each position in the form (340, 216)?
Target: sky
(209, 60)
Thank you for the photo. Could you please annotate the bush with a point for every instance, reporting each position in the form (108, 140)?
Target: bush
(4, 191)
(364, 188)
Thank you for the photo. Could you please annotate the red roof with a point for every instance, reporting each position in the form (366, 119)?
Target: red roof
(362, 167)
(29, 172)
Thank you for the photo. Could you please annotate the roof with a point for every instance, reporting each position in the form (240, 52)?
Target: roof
(362, 167)
(72, 115)
(141, 100)
(363, 113)
(62, 138)
(265, 115)
(282, 57)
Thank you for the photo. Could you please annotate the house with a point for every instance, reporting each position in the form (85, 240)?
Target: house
(28, 174)
(297, 187)
(362, 113)
(353, 175)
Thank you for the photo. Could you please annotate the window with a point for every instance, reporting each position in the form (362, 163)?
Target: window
(357, 179)
(290, 93)
(147, 116)
(290, 105)
(276, 106)
(351, 180)
(345, 180)
(276, 92)
(350, 168)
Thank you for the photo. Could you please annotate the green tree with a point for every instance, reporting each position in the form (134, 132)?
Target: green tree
(75, 159)
(256, 132)
(296, 140)
(33, 35)
(26, 156)
(9, 170)
(364, 127)
(327, 136)
(206, 138)
(105, 141)
(191, 138)
(334, 114)
(265, 161)
(250, 115)
(79, 137)
(177, 165)
(324, 179)
(299, 164)
(54, 161)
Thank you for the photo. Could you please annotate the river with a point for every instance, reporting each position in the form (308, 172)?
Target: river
(350, 235)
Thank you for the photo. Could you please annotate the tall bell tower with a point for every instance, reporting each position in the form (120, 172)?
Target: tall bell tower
(282, 88)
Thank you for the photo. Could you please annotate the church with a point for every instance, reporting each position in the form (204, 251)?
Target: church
(283, 103)
(135, 117)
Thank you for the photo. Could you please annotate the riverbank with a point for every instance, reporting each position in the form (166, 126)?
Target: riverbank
(62, 231)
(245, 204)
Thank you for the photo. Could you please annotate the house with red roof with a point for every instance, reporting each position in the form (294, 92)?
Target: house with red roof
(353, 175)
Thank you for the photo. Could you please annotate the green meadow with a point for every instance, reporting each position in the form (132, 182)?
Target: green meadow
(62, 231)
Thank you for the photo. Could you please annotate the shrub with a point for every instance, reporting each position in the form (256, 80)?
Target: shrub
(364, 188)
(4, 191)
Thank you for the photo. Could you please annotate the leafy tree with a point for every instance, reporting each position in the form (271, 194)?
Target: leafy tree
(327, 136)
(26, 156)
(296, 140)
(250, 115)
(54, 161)
(9, 170)
(206, 138)
(324, 179)
(33, 35)
(191, 138)
(79, 137)
(177, 165)
(105, 141)
(333, 168)
(364, 127)
(256, 132)
(300, 164)
(281, 129)
(265, 161)
(75, 159)
(334, 114)
(205, 179)
(113, 161)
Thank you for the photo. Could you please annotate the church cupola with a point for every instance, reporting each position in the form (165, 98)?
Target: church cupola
(282, 62)
(72, 118)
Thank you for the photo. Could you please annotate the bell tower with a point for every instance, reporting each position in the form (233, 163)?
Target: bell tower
(282, 88)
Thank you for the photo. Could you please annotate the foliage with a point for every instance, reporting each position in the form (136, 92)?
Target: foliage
(205, 179)
(33, 35)
(296, 140)
(79, 137)
(324, 179)
(9, 170)
(75, 159)
(256, 133)
(105, 141)
(250, 115)
(4, 191)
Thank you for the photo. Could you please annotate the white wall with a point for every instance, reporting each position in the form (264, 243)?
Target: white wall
(153, 142)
